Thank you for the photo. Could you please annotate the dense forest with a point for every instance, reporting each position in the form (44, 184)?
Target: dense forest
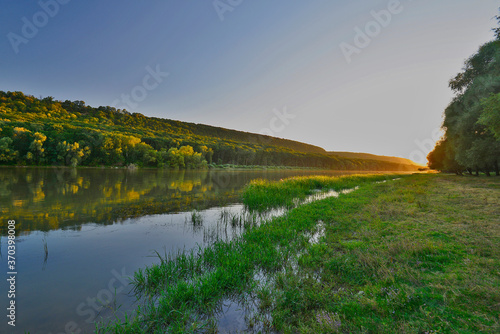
(44, 131)
(471, 142)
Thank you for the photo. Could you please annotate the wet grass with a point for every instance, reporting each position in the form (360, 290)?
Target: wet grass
(263, 194)
(416, 255)
(196, 218)
(46, 252)
(45, 247)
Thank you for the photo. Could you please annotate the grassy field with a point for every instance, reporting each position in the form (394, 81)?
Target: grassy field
(420, 254)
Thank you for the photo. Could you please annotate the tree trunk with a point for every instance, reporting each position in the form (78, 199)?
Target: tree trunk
(469, 170)
(477, 171)
(497, 171)
(487, 171)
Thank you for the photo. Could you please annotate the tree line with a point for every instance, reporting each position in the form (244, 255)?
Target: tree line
(471, 142)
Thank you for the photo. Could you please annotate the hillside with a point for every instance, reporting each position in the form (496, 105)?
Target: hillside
(44, 131)
(367, 156)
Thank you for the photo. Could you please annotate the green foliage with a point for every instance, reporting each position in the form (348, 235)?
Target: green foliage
(7, 153)
(71, 154)
(490, 117)
(37, 152)
(472, 120)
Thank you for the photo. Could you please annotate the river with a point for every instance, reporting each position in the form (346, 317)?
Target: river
(81, 233)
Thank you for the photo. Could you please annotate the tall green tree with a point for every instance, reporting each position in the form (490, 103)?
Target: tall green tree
(36, 152)
(7, 152)
(71, 154)
(490, 116)
(471, 121)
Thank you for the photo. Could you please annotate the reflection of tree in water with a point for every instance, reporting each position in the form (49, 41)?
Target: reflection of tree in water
(53, 198)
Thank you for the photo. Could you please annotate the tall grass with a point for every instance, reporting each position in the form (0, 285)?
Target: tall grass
(263, 194)
(46, 252)
(196, 218)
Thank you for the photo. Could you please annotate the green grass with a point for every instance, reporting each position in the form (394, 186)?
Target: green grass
(263, 194)
(415, 255)
(196, 218)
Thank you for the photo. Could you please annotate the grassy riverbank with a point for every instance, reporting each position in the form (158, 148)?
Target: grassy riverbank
(414, 255)
(264, 194)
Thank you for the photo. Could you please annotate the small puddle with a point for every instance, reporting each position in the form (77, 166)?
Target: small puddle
(316, 235)
(319, 195)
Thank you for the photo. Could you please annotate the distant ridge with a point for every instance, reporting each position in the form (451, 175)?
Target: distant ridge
(356, 155)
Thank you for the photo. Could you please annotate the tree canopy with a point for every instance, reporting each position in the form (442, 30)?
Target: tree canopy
(472, 120)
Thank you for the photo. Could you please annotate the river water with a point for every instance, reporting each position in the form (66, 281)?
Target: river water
(81, 233)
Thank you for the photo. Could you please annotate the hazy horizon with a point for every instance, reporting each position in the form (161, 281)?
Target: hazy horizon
(280, 69)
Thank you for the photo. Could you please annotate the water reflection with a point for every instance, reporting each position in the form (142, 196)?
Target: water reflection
(44, 199)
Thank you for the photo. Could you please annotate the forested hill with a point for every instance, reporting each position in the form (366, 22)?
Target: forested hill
(233, 135)
(43, 131)
(367, 156)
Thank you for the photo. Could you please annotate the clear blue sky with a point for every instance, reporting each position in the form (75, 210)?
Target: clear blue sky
(233, 66)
